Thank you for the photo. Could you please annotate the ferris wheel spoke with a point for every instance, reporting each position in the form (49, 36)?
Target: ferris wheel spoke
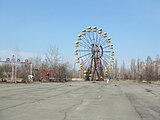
(94, 39)
(86, 36)
(85, 43)
(88, 33)
(106, 46)
(101, 39)
(84, 50)
(86, 61)
(100, 36)
(85, 55)
(106, 56)
(91, 64)
(88, 42)
(107, 51)
(84, 46)
(106, 63)
(104, 41)
(105, 66)
(97, 39)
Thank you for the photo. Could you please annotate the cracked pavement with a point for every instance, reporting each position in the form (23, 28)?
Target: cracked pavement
(119, 100)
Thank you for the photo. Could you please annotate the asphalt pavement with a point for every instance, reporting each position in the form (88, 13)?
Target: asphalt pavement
(119, 100)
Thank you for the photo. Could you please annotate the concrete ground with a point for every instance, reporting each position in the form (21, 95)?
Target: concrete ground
(122, 100)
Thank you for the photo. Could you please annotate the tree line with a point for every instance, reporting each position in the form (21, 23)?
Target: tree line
(52, 60)
(148, 70)
(138, 70)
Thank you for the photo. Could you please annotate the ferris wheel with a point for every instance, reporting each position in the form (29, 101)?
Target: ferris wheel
(94, 53)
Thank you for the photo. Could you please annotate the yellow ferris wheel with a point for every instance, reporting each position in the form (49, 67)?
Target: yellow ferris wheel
(94, 53)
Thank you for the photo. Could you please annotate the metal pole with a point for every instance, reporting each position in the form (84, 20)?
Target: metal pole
(12, 74)
(15, 75)
(159, 71)
(30, 68)
(74, 70)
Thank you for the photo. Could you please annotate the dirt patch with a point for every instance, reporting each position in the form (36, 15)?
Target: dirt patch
(148, 90)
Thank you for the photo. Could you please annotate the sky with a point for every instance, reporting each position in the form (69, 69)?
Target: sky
(31, 26)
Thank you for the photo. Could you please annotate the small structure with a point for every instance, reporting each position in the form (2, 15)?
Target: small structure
(30, 78)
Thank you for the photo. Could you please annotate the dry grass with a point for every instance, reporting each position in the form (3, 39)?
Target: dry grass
(156, 82)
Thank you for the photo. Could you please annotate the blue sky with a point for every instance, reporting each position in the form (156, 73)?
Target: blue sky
(32, 25)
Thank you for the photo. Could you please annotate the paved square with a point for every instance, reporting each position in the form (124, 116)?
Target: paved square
(122, 100)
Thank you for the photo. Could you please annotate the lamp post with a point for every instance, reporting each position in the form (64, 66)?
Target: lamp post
(30, 68)
(13, 73)
(159, 71)
(13, 62)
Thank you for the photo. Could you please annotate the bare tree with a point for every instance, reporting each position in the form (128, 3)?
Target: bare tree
(133, 69)
(122, 72)
(138, 67)
(37, 62)
(115, 69)
(53, 57)
(23, 71)
(148, 69)
(5, 71)
(139, 70)
(156, 67)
